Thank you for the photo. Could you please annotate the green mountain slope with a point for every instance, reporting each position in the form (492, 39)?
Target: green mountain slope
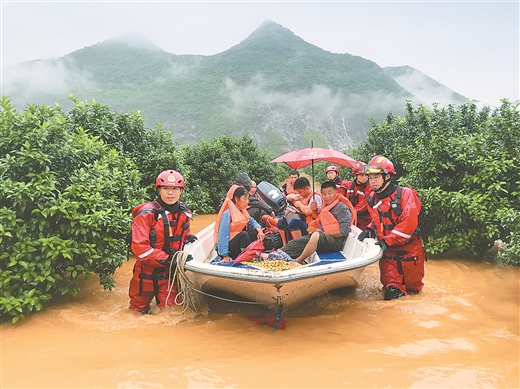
(273, 85)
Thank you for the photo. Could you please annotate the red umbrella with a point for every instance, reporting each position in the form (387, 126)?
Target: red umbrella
(301, 158)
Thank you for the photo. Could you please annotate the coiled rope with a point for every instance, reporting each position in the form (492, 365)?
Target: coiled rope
(187, 295)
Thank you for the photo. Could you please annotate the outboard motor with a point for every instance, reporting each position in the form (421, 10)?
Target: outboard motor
(272, 196)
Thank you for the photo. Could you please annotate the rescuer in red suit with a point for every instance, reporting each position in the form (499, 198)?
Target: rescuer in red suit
(159, 229)
(395, 219)
(357, 191)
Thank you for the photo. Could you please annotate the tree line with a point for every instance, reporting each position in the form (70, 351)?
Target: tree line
(70, 179)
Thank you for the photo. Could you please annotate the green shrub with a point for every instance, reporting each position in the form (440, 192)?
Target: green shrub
(65, 200)
(465, 164)
(213, 167)
(151, 150)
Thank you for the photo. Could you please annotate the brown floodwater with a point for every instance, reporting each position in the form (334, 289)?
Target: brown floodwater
(461, 331)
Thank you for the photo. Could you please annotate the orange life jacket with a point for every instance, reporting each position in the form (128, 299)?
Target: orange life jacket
(327, 220)
(231, 191)
(289, 187)
(239, 219)
(306, 201)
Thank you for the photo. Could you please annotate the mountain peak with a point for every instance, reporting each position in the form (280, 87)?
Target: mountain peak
(272, 37)
(134, 40)
(271, 29)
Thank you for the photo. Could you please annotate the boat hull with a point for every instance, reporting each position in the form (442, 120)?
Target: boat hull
(289, 294)
(288, 288)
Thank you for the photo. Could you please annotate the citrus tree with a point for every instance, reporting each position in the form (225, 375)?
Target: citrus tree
(151, 150)
(464, 162)
(213, 166)
(65, 200)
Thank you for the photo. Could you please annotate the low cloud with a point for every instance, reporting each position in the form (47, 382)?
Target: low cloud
(427, 90)
(342, 120)
(319, 99)
(34, 81)
(180, 70)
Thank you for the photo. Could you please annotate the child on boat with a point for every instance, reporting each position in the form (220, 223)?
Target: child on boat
(307, 205)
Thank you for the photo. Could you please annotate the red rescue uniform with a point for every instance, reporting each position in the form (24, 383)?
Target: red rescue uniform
(155, 239)
(402, 264)
(357, 194)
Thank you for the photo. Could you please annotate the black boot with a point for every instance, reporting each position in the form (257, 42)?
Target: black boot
(392, 293)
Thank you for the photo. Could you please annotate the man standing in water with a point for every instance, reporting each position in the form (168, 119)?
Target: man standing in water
(395, 220)
(159, 229)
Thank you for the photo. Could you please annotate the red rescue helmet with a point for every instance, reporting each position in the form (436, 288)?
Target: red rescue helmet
(332, 169)
(358, 168)
(379, 165)
(170, 178)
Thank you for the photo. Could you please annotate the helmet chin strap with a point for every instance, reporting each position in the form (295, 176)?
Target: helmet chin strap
(383, 185)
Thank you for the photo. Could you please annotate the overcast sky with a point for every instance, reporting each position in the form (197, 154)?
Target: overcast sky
(471, 47)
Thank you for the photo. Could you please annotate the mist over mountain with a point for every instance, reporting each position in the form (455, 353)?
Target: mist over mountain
(281, 90)
(425, 89)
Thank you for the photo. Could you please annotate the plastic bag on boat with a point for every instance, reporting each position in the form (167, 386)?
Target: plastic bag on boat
(279, 255)
(252, 251)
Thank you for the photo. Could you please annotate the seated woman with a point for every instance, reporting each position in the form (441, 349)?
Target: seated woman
(234, 227)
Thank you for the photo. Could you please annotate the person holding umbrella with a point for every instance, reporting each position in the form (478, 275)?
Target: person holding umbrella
(306, 157)
(329, 230)
(307, 205)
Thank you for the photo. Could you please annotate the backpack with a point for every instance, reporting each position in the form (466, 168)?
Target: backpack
(273, 240)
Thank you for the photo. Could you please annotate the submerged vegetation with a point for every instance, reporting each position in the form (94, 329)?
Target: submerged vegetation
(70, 179)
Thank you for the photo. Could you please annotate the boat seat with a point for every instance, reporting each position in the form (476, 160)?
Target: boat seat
(327, 258)
(335, 256)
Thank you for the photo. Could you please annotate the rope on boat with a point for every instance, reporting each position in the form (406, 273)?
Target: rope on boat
(185, 296)
(225, 299)
(189, 297)
(278, 314)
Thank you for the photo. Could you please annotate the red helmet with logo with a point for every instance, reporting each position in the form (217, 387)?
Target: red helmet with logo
(332, 169)
(379, 165)
(358, 168)
(170, 178)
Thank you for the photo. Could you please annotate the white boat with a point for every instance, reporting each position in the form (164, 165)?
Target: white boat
(283, 288)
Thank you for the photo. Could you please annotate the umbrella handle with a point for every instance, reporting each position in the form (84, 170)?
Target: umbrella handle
(312, 145)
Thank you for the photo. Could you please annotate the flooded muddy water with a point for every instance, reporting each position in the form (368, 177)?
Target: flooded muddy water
(461, 331)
